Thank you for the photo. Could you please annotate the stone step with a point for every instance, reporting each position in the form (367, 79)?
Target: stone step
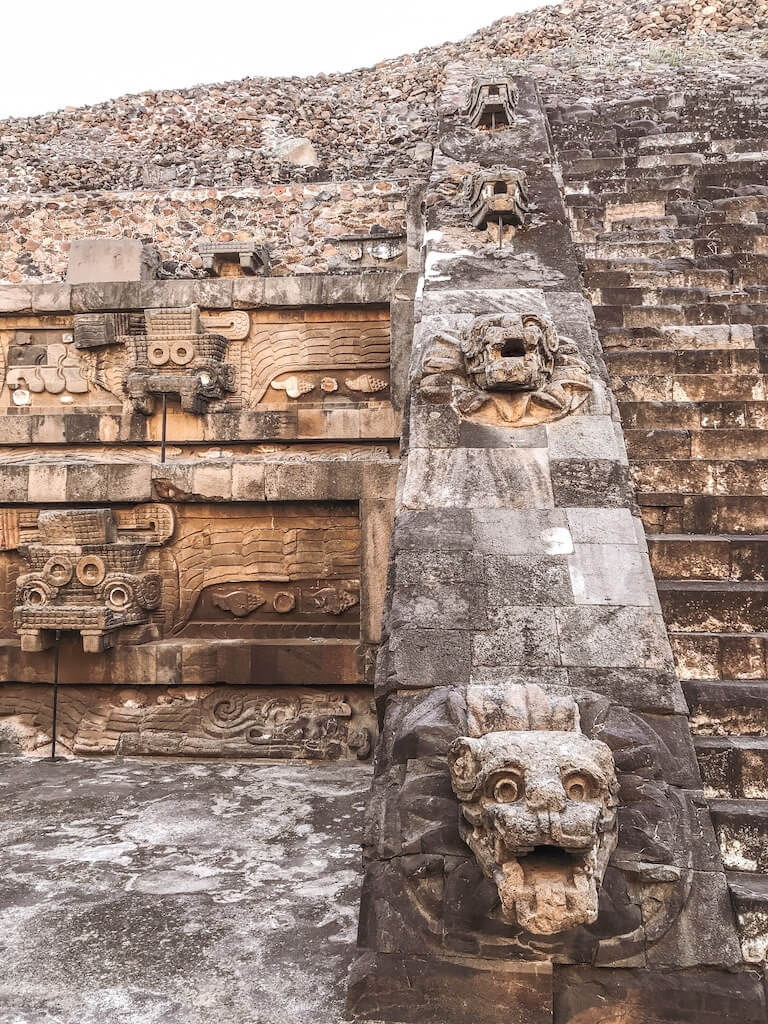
(622, 250)
(715, 656)
(702, 557)
(749, 895)
(742, 829)
(733, 767)
(714, 606)
(690, 387)
(737, 477)
(672, 140)
(649, 232)
(664, 292)
(703, 513)
(660, 222)
(673, 362)
(728, 707)
(693, 314)
(710, 416)
(696, 444)
(651, 275)
(679, 338)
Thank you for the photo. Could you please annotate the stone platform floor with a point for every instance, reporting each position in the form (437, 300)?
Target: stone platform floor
(145, 892)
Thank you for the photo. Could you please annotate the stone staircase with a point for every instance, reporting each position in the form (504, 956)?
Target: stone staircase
(671, 218)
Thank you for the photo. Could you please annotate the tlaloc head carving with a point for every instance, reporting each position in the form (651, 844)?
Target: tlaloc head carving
(86, 575)
(158, 352)
(538, 810)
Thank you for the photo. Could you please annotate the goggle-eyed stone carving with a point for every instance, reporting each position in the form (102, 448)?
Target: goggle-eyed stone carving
(492, 103)
(538, 805)
(166, 353)
(84, 577)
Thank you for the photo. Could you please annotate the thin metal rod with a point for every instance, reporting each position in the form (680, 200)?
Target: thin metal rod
(162, 434)
(501, 231)
(493, 120)
(55, 709)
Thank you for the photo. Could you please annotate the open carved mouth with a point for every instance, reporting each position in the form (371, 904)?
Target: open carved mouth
(552, 858)
(513, 348)
(549, 888)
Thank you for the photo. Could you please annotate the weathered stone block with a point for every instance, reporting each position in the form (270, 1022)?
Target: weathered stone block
(515, 580)
(529, 637)
(589, 994)
(612, 637)
(428, 657)
(110, 259)
(459, 990)
(477, 478)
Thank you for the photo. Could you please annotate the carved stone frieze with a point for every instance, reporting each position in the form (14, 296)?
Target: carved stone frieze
(223, 721)
(293, 725)
(84, 575)
(498, 195)
(492, 103)
(537, 805)
(347, 357)
(507, 368)
(37, 365)
(249, 571)
(233, 324)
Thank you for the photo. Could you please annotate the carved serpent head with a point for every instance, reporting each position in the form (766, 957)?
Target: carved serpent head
(511, 352)
(538, 810)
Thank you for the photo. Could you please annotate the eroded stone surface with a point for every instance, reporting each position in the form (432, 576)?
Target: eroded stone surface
(180, 893)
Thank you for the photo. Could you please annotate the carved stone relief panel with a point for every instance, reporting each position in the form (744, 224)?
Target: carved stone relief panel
(239, 571)
(222, 361)
(40, 366)
(193, 721)
(140, 357)
(506, 368)
(334, 357)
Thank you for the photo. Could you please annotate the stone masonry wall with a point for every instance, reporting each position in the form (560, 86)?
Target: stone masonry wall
(299, 224)
(519, 560)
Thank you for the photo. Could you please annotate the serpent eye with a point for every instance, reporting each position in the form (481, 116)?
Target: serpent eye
(578, 787)
(507, 788)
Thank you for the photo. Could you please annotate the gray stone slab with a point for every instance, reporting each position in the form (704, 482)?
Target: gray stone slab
(141, 892)
(602, 525)
(612, 637)
(584, 437)
(612, 574)
(528, 637)
(521, 532)
(478, 478)
(109, 259)
(515, 580)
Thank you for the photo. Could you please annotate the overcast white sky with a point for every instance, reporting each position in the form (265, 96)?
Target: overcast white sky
(60, 54)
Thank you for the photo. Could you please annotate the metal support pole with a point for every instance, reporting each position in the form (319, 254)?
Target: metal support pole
(162, 434)
(55, 708)
(501, 231)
